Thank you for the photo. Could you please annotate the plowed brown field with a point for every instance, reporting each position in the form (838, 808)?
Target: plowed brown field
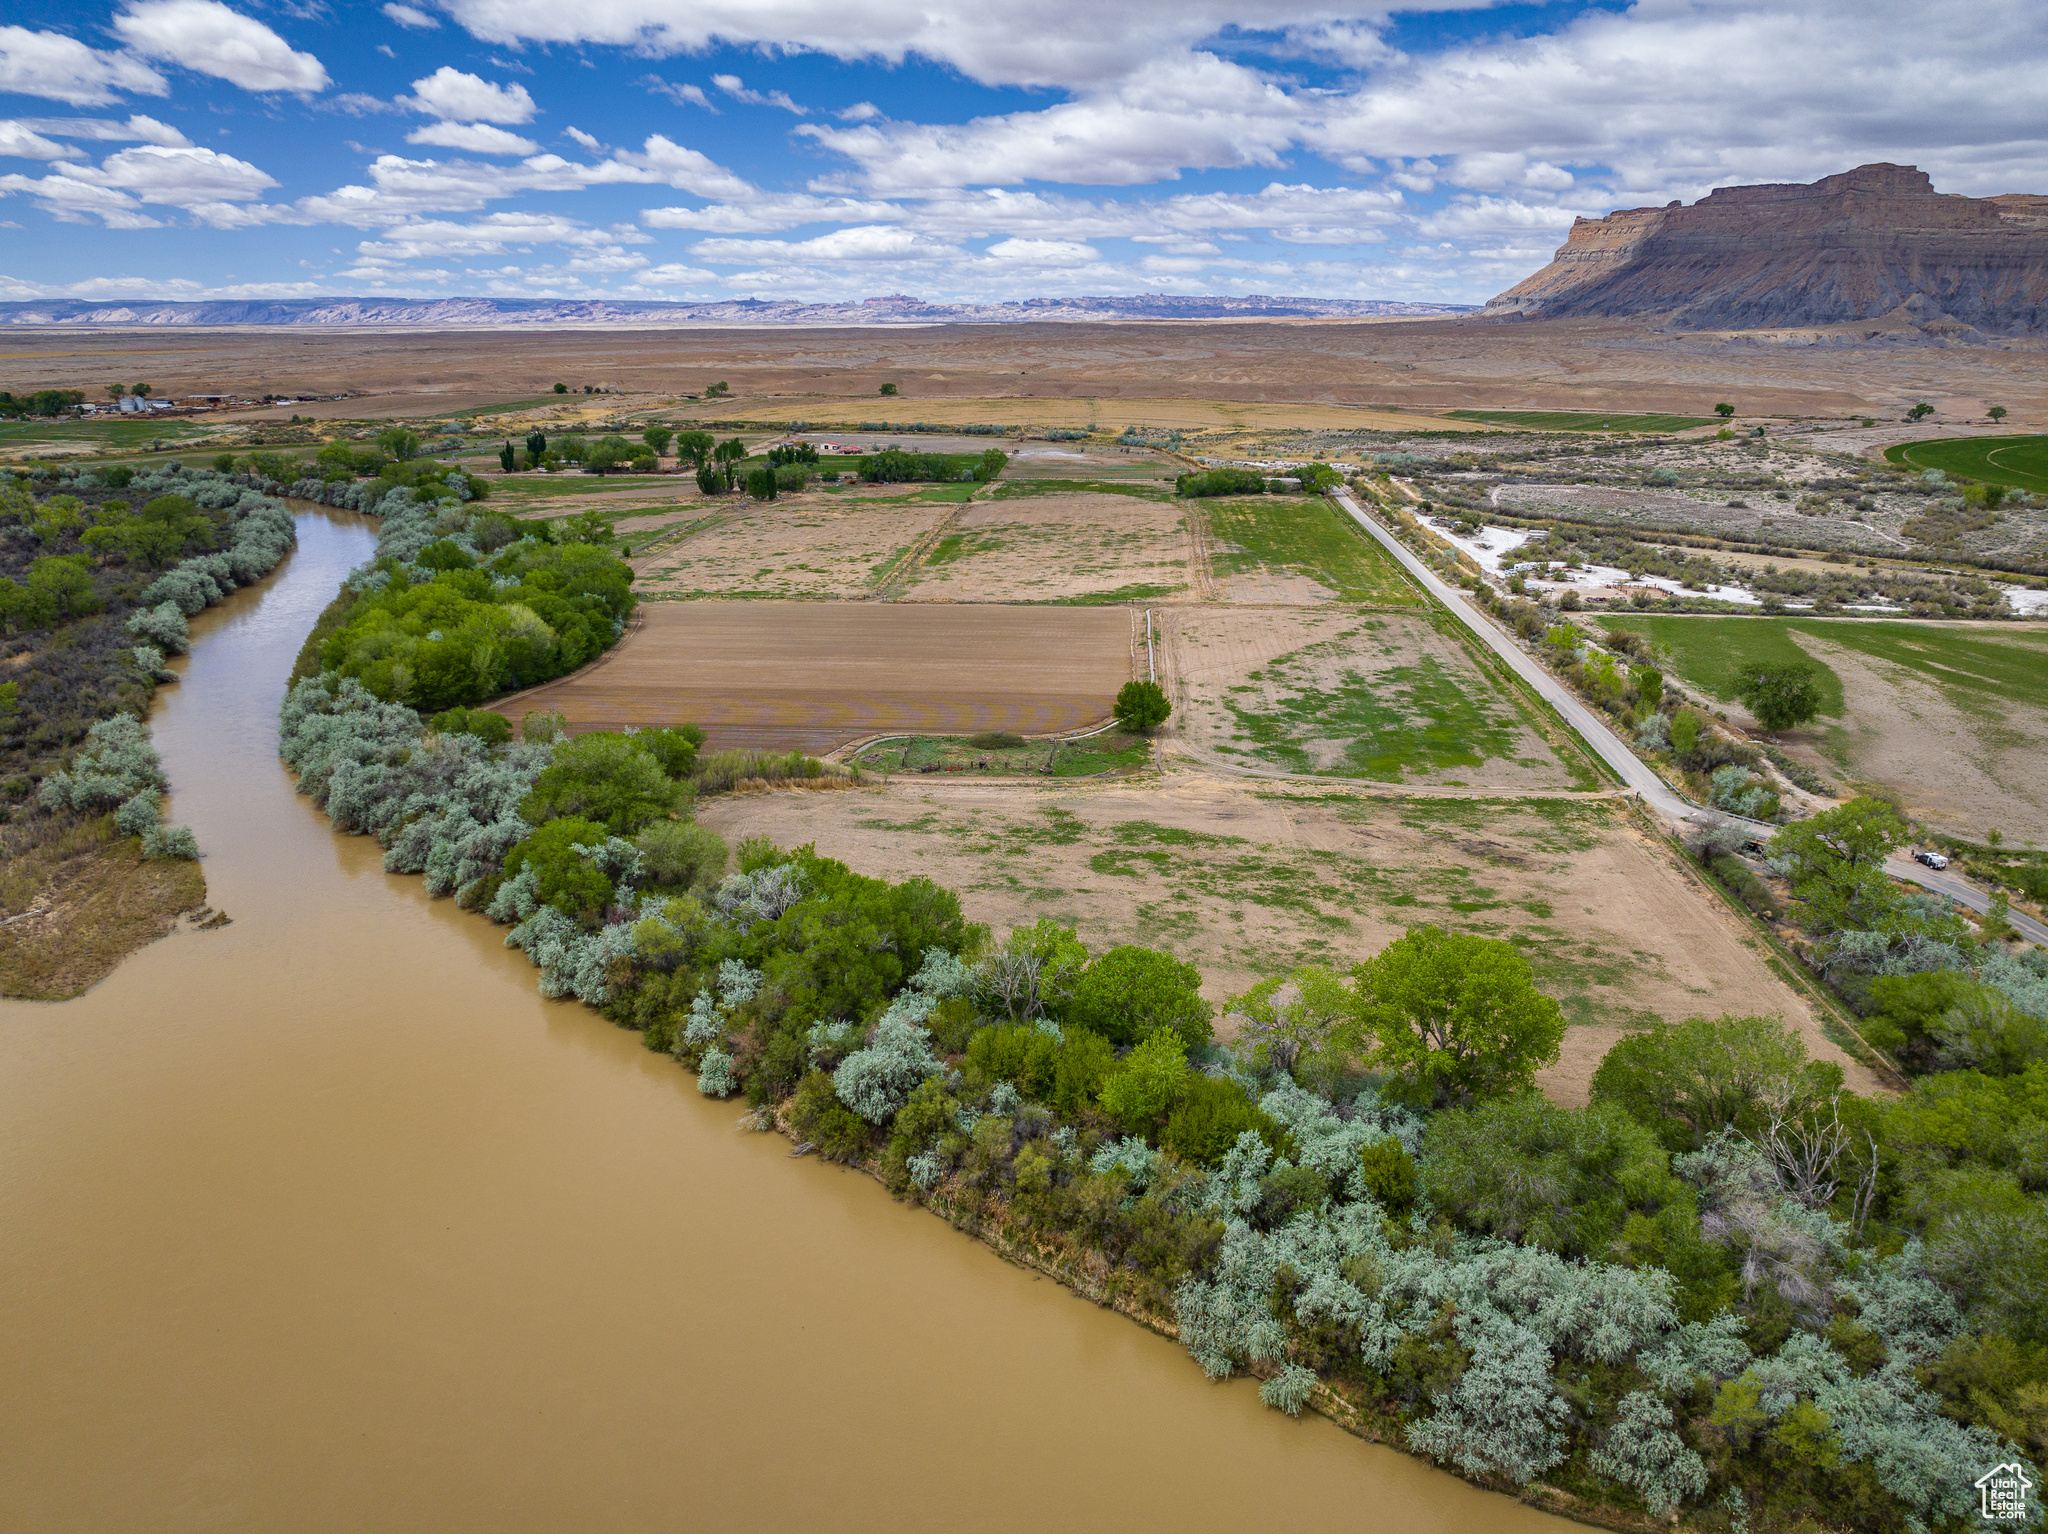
(814, 675)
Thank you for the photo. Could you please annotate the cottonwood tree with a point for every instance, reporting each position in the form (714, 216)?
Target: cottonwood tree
(1296, 1021)
(1780, 694)
(1454, 1017)
(1141, 706)
(1131, 992)
(1034, 970)
(399, 442)
(1859, 834)
(1692, 1079)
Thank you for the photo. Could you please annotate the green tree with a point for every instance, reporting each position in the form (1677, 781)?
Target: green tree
(1996, 412)
(1685, 733)
(561, 388)
(1779, 694)
(695, 447)
(718, 390)
(887, 389)
(674, 746)
(1649, 685)
(727, 458)
(1304, 1020)
(1035, 970)
(400, 442)
(993, 462)
(1212, 1112)
(591, 527)
(564, 877)
(611, 452)
(1860, 833)
(1687, 1081)
(1566, 1179)
(1455, 1017)
(1131, 992)
(536, 448)
(658, 438)
(1389, 1174)
(508, 458)
(65, 583)
(1147, 1085)
(677, 854)
(1851, 898)
(1141, 706)
(761, 483)
(115, 391)
(1724, 410)
(603, 777)
(140, 391)
(1920, 411)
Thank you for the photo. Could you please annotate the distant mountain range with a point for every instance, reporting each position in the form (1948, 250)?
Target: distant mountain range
(896, 309)
(1876, 243)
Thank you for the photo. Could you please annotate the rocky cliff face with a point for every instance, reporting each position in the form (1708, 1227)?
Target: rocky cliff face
(1877, 241)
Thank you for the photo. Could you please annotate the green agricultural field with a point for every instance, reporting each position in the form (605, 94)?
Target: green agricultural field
(1580, 420)
(1010, 486)
(1979, 668)
(1707, 652)
(114, 434)
(1308, 535)
(1422, 718)
(575, 482)
(957, 755)
(2018, 462)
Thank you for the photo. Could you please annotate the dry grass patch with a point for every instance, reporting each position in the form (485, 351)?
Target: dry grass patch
(1380, 696)
(77, 898)
(1058, 548)
(812, 546)
(1243, 883)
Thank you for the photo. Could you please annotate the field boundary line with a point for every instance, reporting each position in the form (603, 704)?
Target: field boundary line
(633, 625)
(891, 585)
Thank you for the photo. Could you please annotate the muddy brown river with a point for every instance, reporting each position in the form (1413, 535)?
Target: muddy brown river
(326, 1221)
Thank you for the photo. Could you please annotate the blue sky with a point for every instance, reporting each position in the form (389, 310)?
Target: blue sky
(836, 149)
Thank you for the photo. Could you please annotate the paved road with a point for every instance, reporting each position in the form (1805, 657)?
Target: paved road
(1594, 730)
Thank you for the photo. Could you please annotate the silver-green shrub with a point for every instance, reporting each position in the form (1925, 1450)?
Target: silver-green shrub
(116, 763)
(170, 842)
(163, 626)
(139, 815)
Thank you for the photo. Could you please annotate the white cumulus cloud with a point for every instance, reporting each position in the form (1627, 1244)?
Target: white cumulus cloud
(209, 37)
(137, 129)
(736, 88)
(19, 141)
(61, 68)
(411, 16)
(477, 138)
(450, 93)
